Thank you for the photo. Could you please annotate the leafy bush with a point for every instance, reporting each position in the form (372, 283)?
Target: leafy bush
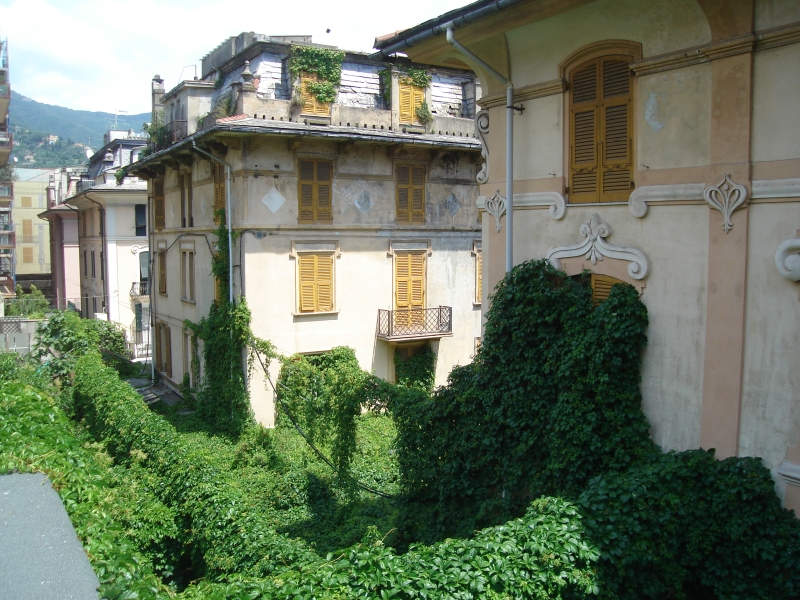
(35, 436)
(32, 305)
(551, 406)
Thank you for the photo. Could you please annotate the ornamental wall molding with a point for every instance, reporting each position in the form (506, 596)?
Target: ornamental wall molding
(556, 202)
(787, 258)
(595, 247)
(726, 197)
(495, 206)
(482, 130)
(136, 249)
(790, 472)
(642, 196)
(776, 188)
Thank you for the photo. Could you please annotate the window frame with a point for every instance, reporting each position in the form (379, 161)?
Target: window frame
(603, 49)
(325, 255)
(140, 213)
(315, 183)
(159, 208)
(321, 248)
(161, 260)
(188, 276)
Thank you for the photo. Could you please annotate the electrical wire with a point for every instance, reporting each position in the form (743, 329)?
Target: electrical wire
(318, 452)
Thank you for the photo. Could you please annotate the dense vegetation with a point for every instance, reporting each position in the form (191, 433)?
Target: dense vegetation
(530, 475)
(63, 153)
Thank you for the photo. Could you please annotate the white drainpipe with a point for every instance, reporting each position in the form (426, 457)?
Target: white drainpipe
(509, 140)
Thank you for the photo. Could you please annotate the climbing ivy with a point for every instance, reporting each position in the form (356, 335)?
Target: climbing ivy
(418, 77)
(325, 63)
(551, 406)
(418, 370)
(222, 397)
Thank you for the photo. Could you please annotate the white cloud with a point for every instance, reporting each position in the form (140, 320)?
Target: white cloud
(102, 55)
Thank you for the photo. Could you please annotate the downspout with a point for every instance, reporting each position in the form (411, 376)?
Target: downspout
(227, 215)
(509, 140)
(104, 255)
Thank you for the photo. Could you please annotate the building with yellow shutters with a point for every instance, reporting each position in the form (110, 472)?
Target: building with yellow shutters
(355, 220)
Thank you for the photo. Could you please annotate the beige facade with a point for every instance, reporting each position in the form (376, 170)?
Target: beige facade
(708, 231)
(113, 258)
(32, 254)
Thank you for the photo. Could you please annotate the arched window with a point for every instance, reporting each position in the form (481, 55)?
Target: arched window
(601, 132)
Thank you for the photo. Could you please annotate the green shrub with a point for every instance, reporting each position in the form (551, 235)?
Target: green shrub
(35, 436)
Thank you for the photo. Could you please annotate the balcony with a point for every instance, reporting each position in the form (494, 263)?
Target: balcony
(167, 135)
(6, 145)
(140, 288)
(7, 240)
(415, 323)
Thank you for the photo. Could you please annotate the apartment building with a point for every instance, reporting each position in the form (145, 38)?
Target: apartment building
(355, 221)
(658, 144)
(112, 250)
(32, 251)
(7, 233)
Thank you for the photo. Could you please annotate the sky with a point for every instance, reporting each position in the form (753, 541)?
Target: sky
(102, 55)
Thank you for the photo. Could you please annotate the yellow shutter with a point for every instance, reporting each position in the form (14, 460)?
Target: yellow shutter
(419, 98)
(162, 272)
(402, 270)
(323, 200)
(157, 349)
(315, 282)
(406, 103)
(616, 138)
(409, 280)
(324, 282)
(27, 229)
(479, 277)
(158, 203)
(314, 191)
(307, 268)
(583, 135)
(168, 350)
(312, 106)
(27, 255)
(189, 201)
(601, 287)
(600, 131)
(410, 194)
(27, 201)
(417, 279)
(403, 192)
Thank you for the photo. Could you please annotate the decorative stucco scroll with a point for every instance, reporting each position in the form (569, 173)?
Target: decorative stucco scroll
(556, 202)
(787, 259)
(595, 247)
(726, 197)
(135, 249)
(642, 196)
(482, 130)
(496, 206)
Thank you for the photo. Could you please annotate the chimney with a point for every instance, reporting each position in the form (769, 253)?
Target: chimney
(158, 108)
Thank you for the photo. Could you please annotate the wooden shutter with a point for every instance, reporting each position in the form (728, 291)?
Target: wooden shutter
(601, 287)
(167, 350)
(315, 282)
(479, 277)
(324, 282)
(600, 131)
(158, 203)
(411, 98)
(27, 230)
(306, 213)
(583, 184)
(27, 255)
(410, 194)
(189, 201)
(162, 272)
(219, 190)
(182, 185)
(159, 359)
(409, 280)
(314, 190)
(312, 106)
(616, 140)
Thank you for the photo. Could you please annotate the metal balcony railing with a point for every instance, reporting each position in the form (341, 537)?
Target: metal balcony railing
(6, 226)
(415, 323)
(140, 288)
(169, 134)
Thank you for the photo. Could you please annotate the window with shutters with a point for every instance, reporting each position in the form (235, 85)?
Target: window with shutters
(411, 98)
(187, 275)
(312, 106)
(187, 357)
(164, 348)
(158, 203)
(601, 287)
(410, 195)
(314, 187)
(27, 231)
(187, 209)
(162, 272)
(315, 283)
(93, 266)
(27, 255)
(220, 192)
(478, 273)
(601, 136)
(409, 288)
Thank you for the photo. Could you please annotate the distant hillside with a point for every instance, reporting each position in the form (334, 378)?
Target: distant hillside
(76, 125)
